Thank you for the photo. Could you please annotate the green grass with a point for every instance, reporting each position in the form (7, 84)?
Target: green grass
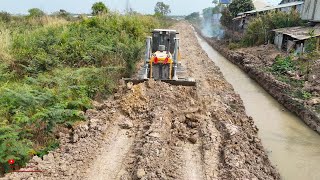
(51, 69)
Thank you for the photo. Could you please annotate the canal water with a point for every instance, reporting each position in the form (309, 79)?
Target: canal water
(291, 145)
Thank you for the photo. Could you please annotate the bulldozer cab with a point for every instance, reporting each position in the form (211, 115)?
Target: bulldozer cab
(162, 59)
(165, 37)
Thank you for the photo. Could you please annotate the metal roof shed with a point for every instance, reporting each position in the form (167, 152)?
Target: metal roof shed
(299, 33)
(311, 10)
(294, 37)
(269, 8)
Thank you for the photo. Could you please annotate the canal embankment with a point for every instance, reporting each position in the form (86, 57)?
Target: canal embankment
(277, 89)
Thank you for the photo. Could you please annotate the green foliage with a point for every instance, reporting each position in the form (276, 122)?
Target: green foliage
(217, 9)
(226, 18)
(233, 46)
(259, 29)
(207, 13)
(45, 150)
(35, 12)
(301, 94)
(238, 6)
(5, 16)
(63, 13)
(311, 44)
(99, 8)
(55, 69)
(194, 18)
(109, 40)
(283, 65)
(162, 9)
(13, 145)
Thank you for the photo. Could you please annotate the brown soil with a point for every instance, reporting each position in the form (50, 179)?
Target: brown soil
(158, 131)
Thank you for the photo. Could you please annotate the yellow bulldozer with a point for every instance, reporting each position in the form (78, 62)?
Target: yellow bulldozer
(162, 59)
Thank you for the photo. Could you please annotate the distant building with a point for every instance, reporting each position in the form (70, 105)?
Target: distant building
(287, 7)
(311, 10)
(293, 38)
(244, 18)
(289, 1)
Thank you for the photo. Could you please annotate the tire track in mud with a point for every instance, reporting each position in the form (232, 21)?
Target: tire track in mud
(193, 165)
(110, 161)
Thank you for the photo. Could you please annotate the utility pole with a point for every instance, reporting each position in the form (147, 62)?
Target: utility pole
(128, 6)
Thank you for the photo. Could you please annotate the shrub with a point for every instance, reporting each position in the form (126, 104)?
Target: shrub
(35, 12)
(233, 46)
(5, 16)
(51, 70)
(91, 42)
(226, 18)
(99, 8)
(283, 65)
(259, 29)
(238, 6)
(301, 94)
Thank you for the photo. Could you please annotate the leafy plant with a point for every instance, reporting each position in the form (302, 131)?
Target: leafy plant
(35, 12)
(233, 46)
(301, 94)
(51, 70)
(226, 18)
(283, 65)
(162, 9)
(238, 6)
(99, 8)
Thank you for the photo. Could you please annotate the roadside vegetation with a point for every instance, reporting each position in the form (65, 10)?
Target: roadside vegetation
(294, 69)
(53, 67)
(259, 30)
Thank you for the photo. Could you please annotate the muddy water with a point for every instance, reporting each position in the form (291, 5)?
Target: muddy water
(292, 147)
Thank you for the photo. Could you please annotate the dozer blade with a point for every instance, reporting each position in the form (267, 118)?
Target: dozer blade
(179, 82)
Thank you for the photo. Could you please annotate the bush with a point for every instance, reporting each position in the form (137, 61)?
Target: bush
(233, 46)
(283, 65)
(52, 70)
(5, 16)
(226, 18)
(110, 40)
(259, 29)
(301, 94)
(99, 8)
(35, 12)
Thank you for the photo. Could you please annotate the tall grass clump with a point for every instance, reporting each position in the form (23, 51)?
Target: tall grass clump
(51, 70)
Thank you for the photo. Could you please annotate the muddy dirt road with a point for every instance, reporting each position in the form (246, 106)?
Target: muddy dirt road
(157, 131)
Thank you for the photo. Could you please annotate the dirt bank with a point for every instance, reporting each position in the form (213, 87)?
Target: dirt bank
(254, 64)
(158, 131)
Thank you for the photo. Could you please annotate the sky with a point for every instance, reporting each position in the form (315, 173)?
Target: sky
(178, 7)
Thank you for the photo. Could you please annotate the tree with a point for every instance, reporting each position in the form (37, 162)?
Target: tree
(226, 18)
(63, 13)
(99, 8)
(193, 17)
(238, 6)
(162, 9)
(35, 12)
(5, 16)
(207, 13)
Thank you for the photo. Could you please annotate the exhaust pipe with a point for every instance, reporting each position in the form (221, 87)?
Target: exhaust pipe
(147, 57)
(175, 58)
